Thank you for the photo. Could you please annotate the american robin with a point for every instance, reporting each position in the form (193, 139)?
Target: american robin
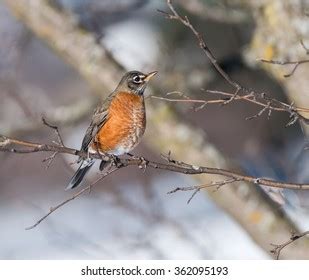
(117, 124)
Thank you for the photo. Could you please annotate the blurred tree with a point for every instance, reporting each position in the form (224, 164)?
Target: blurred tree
(258, 215)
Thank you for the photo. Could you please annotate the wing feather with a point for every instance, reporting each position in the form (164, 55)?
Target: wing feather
(98, 120)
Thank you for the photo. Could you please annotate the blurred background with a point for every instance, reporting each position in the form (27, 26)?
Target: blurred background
(59, 57)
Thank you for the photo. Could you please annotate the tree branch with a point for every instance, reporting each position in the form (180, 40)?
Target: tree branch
(239, 89)
(279, 247)
(79, 193)
(264, 104)
(185, 21)
(240, 200)
(22, 147)
(295, 63)
(279, 62)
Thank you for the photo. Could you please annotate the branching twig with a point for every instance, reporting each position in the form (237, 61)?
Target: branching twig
(251, 98)
(295, 63)
(59, 142)
(260, 113)
(55, 128)
(196, 189)
(54, 208)
(263, 100)
(279, 247)
(186, 22)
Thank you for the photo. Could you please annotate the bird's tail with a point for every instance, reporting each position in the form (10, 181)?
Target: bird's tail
(80, 173)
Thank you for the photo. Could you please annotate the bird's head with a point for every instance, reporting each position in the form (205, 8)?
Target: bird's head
(135, 81)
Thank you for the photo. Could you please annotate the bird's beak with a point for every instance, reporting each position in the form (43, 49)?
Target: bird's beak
(150, 75)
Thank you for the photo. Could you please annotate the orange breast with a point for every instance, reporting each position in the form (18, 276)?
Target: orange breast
(125, 123)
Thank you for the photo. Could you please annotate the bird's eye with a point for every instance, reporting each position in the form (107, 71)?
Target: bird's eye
(137, 79)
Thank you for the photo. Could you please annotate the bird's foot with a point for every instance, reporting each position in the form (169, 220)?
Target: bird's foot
(115, 161)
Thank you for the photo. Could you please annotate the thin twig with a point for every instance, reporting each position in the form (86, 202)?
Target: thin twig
(267, 104)
(279, 62)
(239, 90)
(279, 247)
(186, 22)
(55, 128)
(196, 189)
(260, 113)
(54, 208)
(295, 63)
(59, 142)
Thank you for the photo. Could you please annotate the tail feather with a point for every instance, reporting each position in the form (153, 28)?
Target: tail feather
(103, 164)
(80, 173)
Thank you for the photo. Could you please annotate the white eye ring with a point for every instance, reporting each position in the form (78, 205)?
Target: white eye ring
(137, 79)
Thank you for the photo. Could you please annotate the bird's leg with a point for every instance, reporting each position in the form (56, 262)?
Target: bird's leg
(103, 164)
(115, 161)
(105, 159)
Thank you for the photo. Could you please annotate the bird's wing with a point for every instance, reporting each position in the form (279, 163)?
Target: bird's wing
(99, 118)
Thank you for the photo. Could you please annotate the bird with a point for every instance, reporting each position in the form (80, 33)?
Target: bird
(117, 125)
